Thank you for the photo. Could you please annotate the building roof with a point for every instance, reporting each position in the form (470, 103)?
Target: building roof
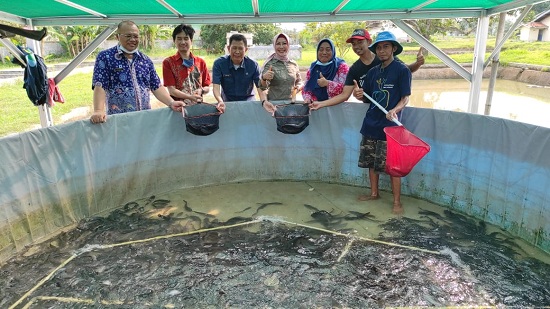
(536, 25)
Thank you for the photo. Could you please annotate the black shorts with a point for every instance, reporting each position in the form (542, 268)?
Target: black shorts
(372, 154)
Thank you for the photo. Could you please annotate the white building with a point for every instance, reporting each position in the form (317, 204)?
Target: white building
(537, 30)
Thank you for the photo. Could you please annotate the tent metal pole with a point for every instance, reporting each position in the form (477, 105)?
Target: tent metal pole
(450, 62)
(495, 62)
(44, 110)
(477, 64)
(512, 30)
(84, 53)
(14, 50)
(494, 58)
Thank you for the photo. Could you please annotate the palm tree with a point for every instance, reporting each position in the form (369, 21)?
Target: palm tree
(74, 39)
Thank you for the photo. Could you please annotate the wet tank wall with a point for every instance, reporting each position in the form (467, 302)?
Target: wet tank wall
(493, 169)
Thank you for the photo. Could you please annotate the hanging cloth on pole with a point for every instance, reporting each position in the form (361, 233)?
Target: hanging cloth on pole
(54, 95)
(35, 79)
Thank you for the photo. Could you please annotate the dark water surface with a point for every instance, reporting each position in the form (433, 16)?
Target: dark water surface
(276, 245)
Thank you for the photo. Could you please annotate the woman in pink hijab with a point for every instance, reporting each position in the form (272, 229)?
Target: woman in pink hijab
(280, 75)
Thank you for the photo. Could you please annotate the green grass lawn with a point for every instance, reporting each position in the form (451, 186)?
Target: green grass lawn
(16, 109)
(18, 113)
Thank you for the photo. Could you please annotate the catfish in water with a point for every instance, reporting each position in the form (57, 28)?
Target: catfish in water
(189, 209)
(264, 205)
(355, 215)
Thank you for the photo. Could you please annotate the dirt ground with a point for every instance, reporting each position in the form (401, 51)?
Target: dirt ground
(518, 73)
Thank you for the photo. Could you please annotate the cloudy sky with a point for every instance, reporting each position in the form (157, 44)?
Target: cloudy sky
(292, 26)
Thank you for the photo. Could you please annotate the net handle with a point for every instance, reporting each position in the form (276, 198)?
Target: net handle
(382, 109)
(203, 115)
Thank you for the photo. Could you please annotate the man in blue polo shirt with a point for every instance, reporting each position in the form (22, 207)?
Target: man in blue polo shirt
(234, 76)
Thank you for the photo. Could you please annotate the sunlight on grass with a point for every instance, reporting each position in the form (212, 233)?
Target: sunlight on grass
(19, 114)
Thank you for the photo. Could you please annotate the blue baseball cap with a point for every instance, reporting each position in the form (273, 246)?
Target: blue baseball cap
(386, 36)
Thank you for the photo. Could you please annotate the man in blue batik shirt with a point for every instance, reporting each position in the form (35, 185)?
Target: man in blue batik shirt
(235, 75)
(123, 77)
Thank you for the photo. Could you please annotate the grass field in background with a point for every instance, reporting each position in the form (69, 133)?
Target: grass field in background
(18, 114)
(536, 53)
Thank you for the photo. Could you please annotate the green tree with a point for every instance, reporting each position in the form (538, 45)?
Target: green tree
(149, 33)
(294, 36)
(264, 33)
(535, 10)
(338, 32)
(341, 33)
(74, 38)
(307, 34)
(214, 36)
(468, 26)
(429, 27)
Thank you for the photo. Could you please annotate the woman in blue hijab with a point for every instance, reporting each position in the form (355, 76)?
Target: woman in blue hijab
(326, 76)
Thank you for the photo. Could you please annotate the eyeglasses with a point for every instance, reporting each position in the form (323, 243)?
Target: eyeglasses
(129, 36)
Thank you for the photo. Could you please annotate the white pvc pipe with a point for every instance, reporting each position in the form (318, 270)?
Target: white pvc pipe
(382, 109)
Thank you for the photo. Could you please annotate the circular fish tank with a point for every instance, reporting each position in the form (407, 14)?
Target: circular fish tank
(139, 213)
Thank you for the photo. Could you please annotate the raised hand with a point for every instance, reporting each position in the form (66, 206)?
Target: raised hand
(269, 74)
(420, 56)
(357, 91)
(322, 81)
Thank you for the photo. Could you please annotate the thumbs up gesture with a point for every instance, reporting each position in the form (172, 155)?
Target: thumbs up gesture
(322, 81)
(420, 56)
(269, 74)
(357, 91)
